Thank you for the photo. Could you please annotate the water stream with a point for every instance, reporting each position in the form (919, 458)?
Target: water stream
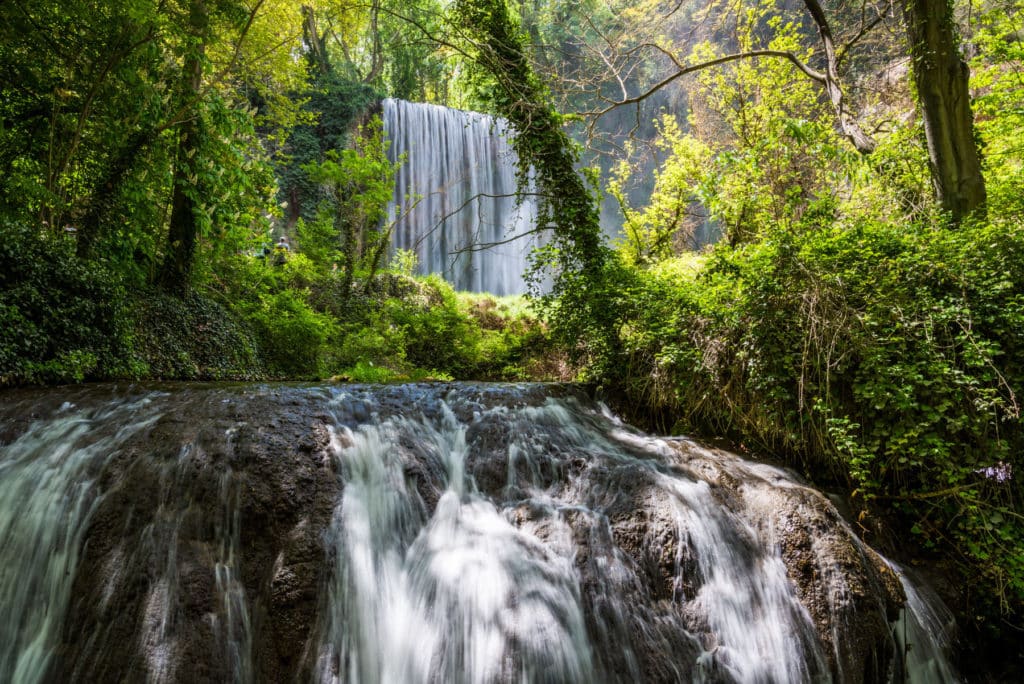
(423, 533)
(47, 497)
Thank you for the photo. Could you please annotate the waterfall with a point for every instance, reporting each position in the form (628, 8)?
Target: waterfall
(421, 533)
(923, 635)
(47, 497)
(454, 202)
(460, 595)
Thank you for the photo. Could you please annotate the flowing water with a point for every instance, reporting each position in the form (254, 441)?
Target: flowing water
(923, 635)
(455, 202)
(47, 496)
(422, 533)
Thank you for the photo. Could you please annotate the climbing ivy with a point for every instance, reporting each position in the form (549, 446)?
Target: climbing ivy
(580, 302)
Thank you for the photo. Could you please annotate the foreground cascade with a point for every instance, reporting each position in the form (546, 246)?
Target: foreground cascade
(455, 202)
(420, 533)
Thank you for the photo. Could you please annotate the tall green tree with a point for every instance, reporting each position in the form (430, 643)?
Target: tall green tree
(134, 129)
(942, 77)
(581, 302)
(181, 242)
(940, 74)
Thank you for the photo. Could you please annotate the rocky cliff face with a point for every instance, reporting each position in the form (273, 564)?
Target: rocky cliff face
(426, 533)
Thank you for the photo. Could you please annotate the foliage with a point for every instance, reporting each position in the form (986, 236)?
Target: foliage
(61, 320)
(429, 331)
(194, 338)
(291, 333)
(776, 147)
(65, 319)
(580, 302)
(332, 105)
(360, 181)
(886, 355)
(997, 78)
(390, 46)
(670, 219)
(234, 189)
(760, 151)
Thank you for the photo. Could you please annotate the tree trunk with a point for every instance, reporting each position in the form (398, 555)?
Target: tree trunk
(317, 54)
(104, 194)
(941, 77)
(830, 78)
(176, 271)
(377, 56)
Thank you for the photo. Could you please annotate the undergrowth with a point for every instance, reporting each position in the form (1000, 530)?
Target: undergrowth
(63, 319)
(889, 358)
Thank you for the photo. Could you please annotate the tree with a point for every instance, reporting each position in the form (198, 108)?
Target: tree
(940, 74)
(942, 80)
(385, 44)
(139, 114)
(582, 301)
(68, 103)
(177, 266)
(360, 181)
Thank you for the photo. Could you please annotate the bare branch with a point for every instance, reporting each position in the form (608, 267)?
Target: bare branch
(865, 28)
(847, 124)
(684, 70)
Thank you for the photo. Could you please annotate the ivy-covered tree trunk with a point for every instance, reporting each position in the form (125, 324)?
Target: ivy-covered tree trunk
(941, 77)
(581, 302)
(181, 238)
(319, 61)
(105, 193)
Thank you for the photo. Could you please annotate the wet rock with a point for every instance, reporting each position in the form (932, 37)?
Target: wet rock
(207, 554)
(851, 594)
(211, 494)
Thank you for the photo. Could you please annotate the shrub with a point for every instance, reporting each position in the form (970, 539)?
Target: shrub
(62, 319)
(194, 339)
(889, 356)
(292, 335)
(437, 334)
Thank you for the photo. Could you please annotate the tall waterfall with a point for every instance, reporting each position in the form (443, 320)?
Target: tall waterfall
(478, 534)
(455, 197)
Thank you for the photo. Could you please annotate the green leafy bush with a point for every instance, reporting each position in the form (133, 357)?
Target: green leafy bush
(292, 334)
(61, 319)
(437, 334)
(889, 356)
(193, 339)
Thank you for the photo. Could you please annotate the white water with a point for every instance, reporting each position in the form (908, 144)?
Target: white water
(922, 634)
(164, 543)
(761, 632)
(512, 564)
(470, 594)
(457, 596)
(47, 496)
(232, 623)
(455, 202)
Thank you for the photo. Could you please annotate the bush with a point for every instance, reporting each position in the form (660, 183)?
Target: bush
(437, 334)
(62, 319)
(292, 335)
(194, 339)
(889, 356)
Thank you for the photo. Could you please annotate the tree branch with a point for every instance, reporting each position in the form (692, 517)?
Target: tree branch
(683, 70)
(851, 130)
